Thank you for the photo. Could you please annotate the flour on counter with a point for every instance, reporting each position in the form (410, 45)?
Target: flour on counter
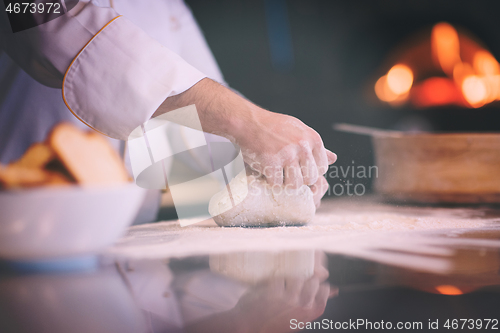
(365, 229)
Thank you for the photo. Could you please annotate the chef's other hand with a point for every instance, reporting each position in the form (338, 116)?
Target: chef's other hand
(280, 147)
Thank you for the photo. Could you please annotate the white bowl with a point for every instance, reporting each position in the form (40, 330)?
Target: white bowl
(59, 222)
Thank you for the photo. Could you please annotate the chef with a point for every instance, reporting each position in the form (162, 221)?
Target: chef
(114, 64)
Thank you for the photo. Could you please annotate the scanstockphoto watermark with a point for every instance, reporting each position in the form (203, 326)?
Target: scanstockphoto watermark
(357, 324)
(350, 180)
(430, 324)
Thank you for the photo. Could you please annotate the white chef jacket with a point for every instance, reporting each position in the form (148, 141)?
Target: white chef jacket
(115, 67)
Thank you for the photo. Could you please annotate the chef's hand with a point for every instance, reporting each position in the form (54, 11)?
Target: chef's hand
(280, 147)
(283, 149)
(269, 306)
(319, 189)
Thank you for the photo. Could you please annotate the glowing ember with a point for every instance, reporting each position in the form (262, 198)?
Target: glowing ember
(400, 79)
(383, 92)
(394, 87)
(474, 90)
(436, 91)
(448, 290)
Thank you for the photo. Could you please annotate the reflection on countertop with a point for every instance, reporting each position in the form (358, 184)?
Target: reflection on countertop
(411, 274)
(247, 292)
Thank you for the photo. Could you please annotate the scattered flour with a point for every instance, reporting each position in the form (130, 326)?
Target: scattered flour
(363, 229)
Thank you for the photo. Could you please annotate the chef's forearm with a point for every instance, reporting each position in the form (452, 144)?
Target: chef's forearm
(113, 74)
(221, 111)
(281, 147)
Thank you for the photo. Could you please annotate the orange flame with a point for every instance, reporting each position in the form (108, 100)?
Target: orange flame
(445, 46)
(484, 63)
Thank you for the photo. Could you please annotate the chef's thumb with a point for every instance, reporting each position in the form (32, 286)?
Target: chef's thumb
(332, 157)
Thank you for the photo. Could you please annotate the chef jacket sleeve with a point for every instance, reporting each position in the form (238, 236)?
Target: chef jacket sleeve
(113, 75)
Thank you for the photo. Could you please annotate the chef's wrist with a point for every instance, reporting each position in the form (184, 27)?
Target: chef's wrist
(241, 122)
(224, 112)
(221, 111)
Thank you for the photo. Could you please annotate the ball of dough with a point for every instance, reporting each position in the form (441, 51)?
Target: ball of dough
(258, 204)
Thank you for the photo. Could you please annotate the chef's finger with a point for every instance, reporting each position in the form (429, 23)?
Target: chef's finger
(274, 174)
(321, 158)
(321, 265)
(322, 295)
(332, 157)
(293, 176)
(309, 292)
(321, 273)
(276, 288)
(334, 291)
(293, 288)
(319, 189)
(308, 168)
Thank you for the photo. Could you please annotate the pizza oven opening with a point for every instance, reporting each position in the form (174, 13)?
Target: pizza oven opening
(445, 75)
(443, 66)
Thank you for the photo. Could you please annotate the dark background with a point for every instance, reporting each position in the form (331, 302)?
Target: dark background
(337, 51)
